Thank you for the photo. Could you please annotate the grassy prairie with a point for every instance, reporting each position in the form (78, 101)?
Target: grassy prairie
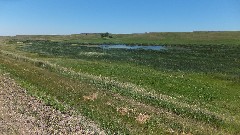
(163, 38)
(192, 87)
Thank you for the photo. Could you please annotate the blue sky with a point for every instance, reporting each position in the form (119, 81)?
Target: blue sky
(117, 16)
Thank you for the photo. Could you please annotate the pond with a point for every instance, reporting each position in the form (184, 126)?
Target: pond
(135, 47)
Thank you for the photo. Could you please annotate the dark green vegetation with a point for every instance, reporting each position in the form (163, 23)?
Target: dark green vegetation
(192, 87)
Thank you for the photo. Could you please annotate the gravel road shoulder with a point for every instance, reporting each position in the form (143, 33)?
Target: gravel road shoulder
(21, 113)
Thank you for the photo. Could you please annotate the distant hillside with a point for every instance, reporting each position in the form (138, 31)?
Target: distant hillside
(151, 38)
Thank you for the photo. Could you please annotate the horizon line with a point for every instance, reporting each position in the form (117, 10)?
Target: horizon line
(119, 33)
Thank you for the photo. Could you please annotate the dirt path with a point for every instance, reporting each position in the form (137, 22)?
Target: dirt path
(25, 115)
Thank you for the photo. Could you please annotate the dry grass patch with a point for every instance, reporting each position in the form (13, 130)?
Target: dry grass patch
(91, 97)
(142, 118)
(123, 110)
(109, 103)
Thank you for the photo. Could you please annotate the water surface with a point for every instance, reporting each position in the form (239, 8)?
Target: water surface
(135, 47)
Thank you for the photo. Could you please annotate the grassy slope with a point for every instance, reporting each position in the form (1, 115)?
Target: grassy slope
(203, 81)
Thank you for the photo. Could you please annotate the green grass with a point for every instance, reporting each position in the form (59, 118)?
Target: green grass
(190, 88)
(69, 92)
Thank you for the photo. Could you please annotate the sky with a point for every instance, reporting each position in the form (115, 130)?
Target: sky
(33, 17)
